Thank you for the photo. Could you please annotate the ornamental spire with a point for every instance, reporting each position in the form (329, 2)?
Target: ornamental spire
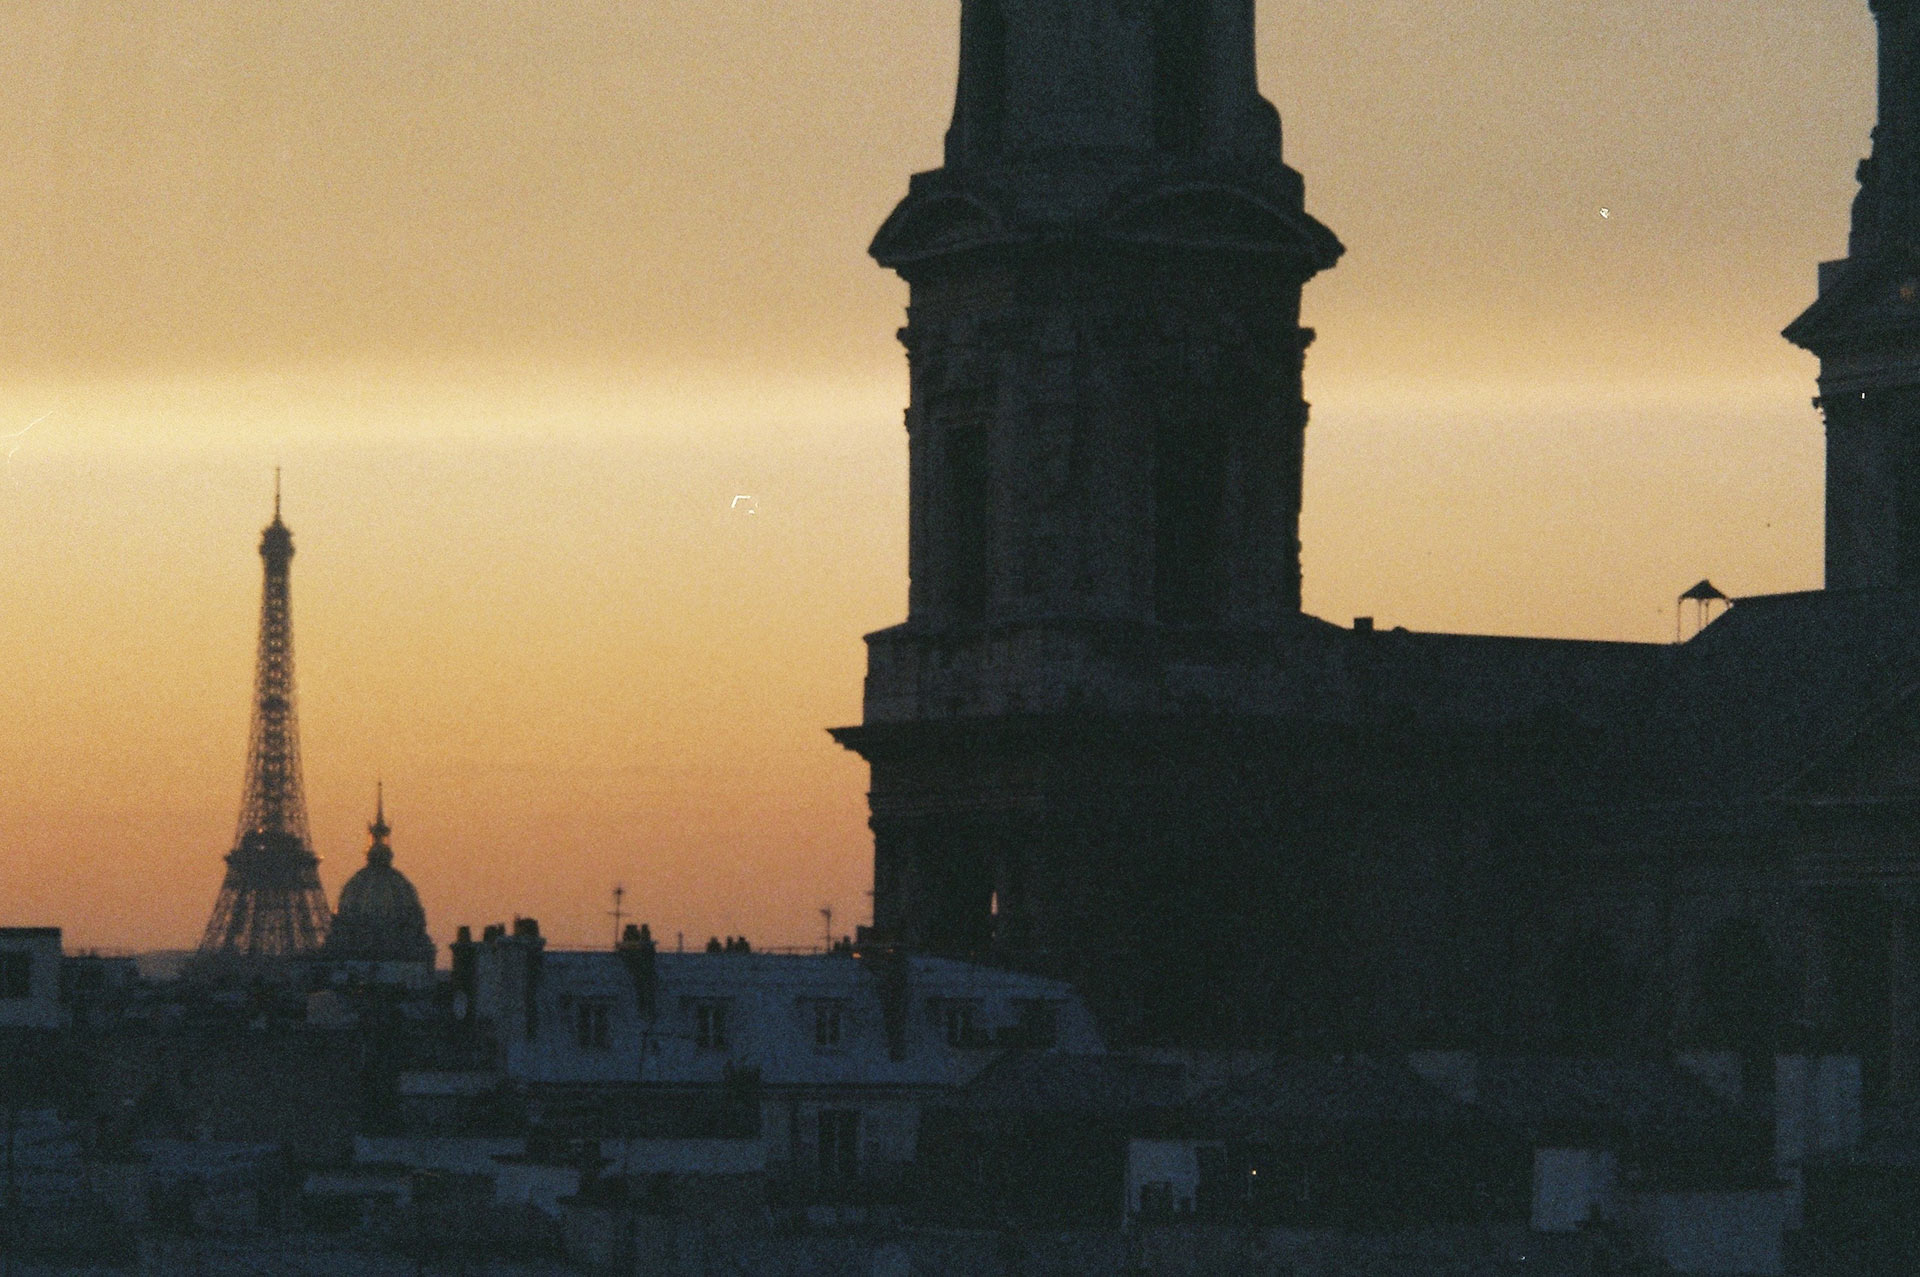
(378, 852)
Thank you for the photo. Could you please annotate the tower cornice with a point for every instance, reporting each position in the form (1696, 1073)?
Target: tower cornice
(1196, 207)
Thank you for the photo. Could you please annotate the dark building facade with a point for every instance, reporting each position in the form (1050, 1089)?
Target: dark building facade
(1106, 743)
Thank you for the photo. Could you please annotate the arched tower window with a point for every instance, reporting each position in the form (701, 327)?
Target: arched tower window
(1189, 491)
(1740, 988)
(1856, 938)
(1179, 75)
(969, 506)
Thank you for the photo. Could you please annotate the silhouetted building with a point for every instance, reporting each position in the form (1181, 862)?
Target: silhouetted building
(271, 904)
(1069, 733)
(1106, 744)
(1865, 327)
(379, 921)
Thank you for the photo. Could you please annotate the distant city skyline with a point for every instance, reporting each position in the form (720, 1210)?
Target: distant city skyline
(523, 300)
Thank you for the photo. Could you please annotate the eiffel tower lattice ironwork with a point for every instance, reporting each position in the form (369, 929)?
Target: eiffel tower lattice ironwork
(271, 904)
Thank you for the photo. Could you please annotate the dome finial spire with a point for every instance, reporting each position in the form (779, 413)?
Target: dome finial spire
(379, 852)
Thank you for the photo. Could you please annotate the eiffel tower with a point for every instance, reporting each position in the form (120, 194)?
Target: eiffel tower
(271, 905)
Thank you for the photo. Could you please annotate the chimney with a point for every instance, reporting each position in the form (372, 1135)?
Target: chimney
(637, 955)
(525, 949)
(889, 967)
(466, 973)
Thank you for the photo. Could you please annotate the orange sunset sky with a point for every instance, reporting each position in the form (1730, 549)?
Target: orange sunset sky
(523, 296)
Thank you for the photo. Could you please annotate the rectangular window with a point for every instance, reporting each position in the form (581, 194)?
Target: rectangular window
(590, 1027)
(839, 1143)
(829, 1022)
(16, 975)
(710, 1026)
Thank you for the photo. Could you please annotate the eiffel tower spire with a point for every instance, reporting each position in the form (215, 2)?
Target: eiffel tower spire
(271, 904)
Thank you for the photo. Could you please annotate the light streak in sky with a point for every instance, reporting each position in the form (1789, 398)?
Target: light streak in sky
(16, 437)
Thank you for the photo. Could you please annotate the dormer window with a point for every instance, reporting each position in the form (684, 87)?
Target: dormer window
(961, 1020)
(710, 1025)
(829, 1024)
(591, 1028)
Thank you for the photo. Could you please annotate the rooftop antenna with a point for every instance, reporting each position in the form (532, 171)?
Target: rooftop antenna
(826, 914)
(276, 494)
(618, 914)
(1703, 596)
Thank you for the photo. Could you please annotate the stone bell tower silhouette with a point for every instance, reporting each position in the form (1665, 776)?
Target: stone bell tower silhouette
(1865, 327)
(1105, 438)
(1104, 331)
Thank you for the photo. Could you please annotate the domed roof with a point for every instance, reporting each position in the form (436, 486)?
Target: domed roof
(380, 918)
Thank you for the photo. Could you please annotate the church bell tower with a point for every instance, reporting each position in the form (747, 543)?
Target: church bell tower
(1105, 438)
(1104, 337)
(1865, 328)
